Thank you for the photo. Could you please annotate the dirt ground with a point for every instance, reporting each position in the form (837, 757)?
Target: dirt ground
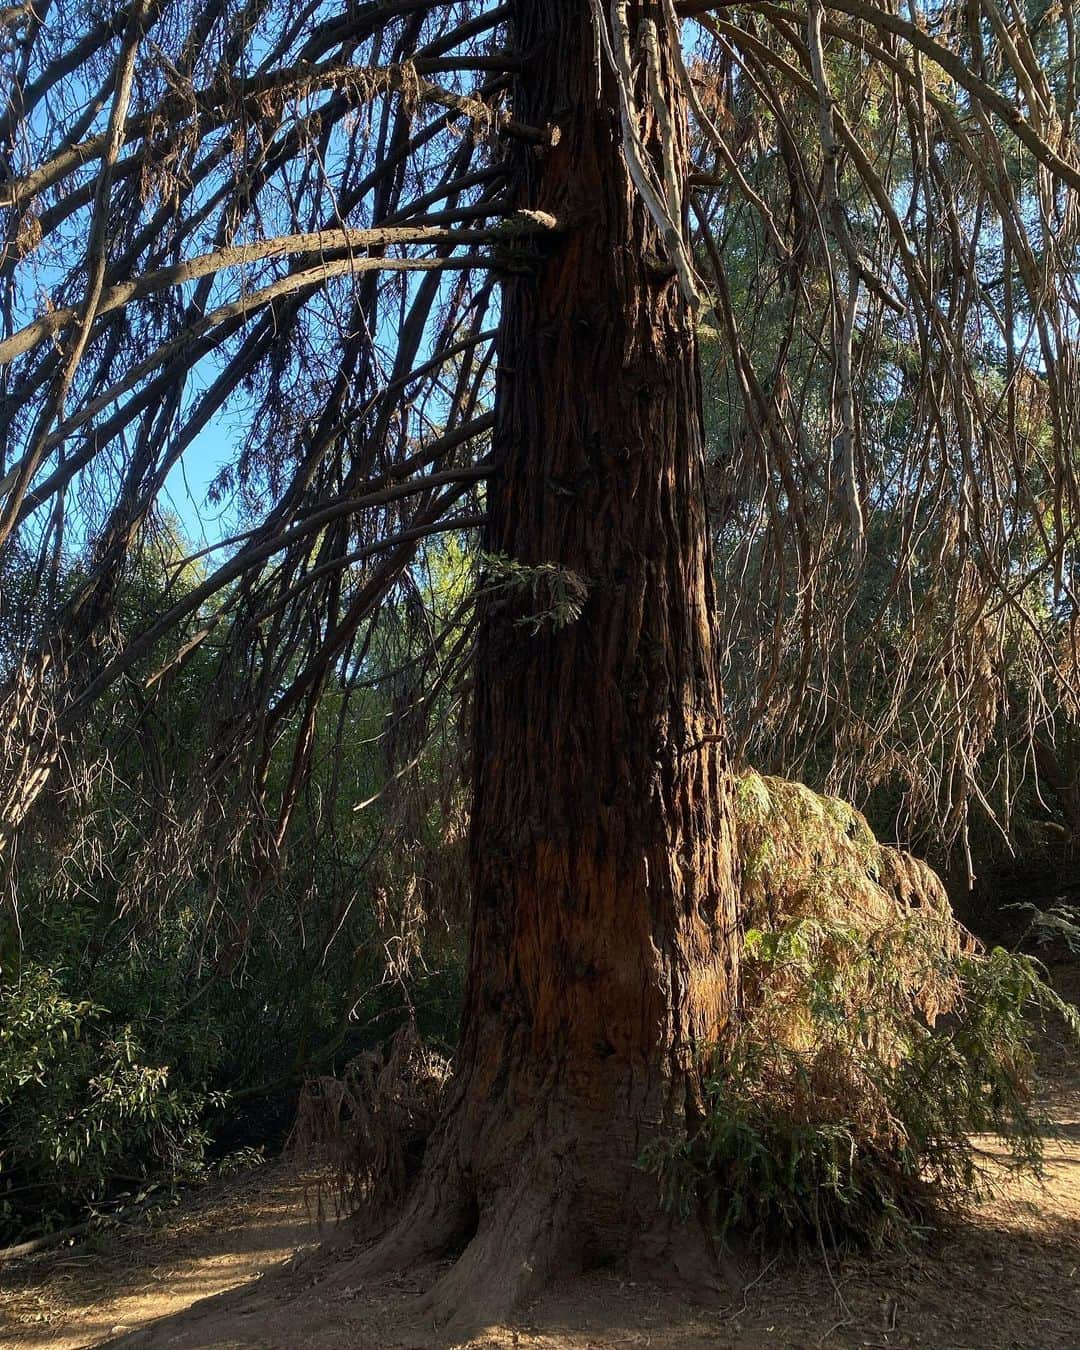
(236, 1269)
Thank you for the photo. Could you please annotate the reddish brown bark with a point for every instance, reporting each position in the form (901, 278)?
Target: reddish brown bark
(602, 951)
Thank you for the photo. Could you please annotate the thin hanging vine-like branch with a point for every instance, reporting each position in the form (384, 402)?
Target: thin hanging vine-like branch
(293, 222)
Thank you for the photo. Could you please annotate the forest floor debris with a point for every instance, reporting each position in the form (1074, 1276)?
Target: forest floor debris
(1007, 1277)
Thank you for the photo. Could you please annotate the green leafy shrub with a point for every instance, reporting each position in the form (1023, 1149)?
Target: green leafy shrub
(86, 1111)
(123, 1066)
(1057, 924)
(876, 1040)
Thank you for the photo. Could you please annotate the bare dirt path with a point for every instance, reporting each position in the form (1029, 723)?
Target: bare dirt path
(227, 1236)
(1008, 1278)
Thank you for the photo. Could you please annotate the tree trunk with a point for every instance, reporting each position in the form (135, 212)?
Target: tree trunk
(603, 935)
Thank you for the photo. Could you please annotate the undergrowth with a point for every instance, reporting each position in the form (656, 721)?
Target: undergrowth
(876, 1040)
(92, 1118)
(862, 1131)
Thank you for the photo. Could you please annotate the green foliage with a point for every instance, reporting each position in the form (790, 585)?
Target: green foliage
(877, 1041)
(1059, 922)
(859, 1134)
(87, 1109)
(554, 596)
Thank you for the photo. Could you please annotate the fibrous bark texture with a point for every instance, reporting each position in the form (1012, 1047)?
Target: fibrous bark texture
(602, 949)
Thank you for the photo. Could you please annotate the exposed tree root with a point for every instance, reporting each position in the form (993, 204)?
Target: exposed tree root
(535, 1215)
(525, 1236)
(522, 1242)
(506, 1248)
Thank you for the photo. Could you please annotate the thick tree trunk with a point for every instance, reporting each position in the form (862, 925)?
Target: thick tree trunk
(602, 952)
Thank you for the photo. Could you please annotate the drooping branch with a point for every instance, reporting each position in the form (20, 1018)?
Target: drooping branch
(307, 222)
